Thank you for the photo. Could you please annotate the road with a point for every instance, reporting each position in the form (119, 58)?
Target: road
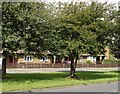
(104, 88)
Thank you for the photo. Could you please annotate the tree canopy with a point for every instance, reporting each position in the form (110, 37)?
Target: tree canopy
(83, 28)
(25, 26)
(67, 28)
(115, 45)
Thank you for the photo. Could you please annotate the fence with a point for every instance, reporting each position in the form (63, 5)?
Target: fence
(59, 65)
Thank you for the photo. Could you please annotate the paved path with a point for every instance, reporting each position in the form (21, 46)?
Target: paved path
(104, 87)
(17, 70)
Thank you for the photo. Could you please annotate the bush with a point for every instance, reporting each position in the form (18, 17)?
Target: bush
(111, 61)
(89, 61)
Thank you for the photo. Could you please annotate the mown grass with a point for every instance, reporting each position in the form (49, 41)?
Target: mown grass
(16, 82)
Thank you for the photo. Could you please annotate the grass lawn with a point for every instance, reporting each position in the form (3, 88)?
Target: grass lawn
(16, 82)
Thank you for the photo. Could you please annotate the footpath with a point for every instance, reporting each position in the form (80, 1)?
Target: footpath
(45, 70)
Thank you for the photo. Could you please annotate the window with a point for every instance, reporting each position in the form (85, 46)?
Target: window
(44, 58)
(92, 58)
(28, 58)
(84, 57)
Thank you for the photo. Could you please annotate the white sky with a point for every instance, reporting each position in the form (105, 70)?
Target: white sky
(110, 1)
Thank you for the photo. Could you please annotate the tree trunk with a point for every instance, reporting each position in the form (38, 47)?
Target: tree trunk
(76, 63)
(72, 73)
(4, 68)
(4, 64)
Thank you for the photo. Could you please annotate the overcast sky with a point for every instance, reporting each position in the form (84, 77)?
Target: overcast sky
(110, 1)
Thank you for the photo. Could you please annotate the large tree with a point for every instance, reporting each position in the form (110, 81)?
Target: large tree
(82, 28)
(25, 26)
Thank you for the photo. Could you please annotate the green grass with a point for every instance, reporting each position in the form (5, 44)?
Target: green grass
(17, 82)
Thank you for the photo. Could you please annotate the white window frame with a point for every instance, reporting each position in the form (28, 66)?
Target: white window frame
(92, 58)
(1, 59)
(28, 56)
(46, 59)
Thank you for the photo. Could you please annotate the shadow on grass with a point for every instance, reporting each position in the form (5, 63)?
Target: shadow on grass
(85, 75)
(97, 75)
(116, 72)
(34, 76)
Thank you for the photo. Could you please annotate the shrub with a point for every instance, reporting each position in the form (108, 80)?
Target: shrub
(89, 61)
(111, 61)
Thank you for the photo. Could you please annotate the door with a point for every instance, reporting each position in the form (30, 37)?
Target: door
(11, 59)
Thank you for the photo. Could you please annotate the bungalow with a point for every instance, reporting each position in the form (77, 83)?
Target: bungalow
(50, 58)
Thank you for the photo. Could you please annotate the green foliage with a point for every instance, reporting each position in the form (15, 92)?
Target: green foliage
(89, 62)
(83, 28)
(112, 56)
(107, 61)
(69, 28)
(115, 45)
(26, 27)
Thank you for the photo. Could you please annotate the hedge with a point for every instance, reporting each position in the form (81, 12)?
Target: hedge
(111, 61)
